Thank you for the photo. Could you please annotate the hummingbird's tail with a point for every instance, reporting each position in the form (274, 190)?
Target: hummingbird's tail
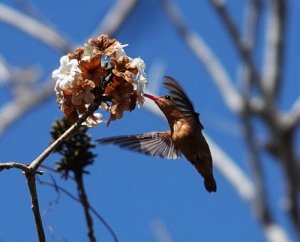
(210, 184)
(204, 167)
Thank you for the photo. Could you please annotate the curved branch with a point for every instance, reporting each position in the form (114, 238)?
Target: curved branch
(14, 109)
(206, 56)
(33, 27)
(10, 165)
(115, 17)
(291, 119)
(241, 47)
(92, 108)
(86, 205)
(35, 206)
(274, 51)
(251, 28)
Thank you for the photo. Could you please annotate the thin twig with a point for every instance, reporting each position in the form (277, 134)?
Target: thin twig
(291, 119)
(237, 39)
(261, 199)
(86, 206)
(33, 27)
(14, 109)
(281, 137)
(290, 166)
(273, 231)
(250, 34)
(161, 232)
(94, 211)
(10, 165)
(38, 161)
(115, 17)
(5, 72)
(35, 206)
(233, 173)
(206, 56)
(251, 28)
(274, 51)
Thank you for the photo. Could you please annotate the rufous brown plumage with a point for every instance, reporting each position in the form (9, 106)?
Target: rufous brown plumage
(184, 137)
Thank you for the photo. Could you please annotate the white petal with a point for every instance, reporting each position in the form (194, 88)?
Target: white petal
(93, 120)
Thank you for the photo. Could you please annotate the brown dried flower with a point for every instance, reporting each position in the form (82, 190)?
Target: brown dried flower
(99, 69)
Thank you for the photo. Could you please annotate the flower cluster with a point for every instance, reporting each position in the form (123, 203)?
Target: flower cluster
(102, 68)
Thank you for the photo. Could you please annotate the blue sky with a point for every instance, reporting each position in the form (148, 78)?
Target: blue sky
(131, 191)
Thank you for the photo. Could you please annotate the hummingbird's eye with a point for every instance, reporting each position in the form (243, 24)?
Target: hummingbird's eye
(167, 97)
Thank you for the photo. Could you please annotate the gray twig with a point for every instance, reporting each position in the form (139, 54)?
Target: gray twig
(70, 195)
(206, 56)
(33, 27)
(115, 17)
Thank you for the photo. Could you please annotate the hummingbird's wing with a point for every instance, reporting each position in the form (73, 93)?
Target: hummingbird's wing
(180, 99)
(154, 144)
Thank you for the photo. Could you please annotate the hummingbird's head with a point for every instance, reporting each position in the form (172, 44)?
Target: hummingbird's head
(165, 103)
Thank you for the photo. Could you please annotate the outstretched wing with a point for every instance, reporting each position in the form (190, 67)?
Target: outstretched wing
(154, 144)
(180, 99)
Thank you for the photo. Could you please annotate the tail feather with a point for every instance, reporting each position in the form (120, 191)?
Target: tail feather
(210, 184)
(205, 170)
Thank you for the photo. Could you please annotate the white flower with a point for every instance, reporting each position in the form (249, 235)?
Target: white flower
(119, 50)
(66, 73)
(140, 80)
(140, 65)
(104, 106)
(93, 120)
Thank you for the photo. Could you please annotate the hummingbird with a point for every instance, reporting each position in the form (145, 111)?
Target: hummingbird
(184, 137)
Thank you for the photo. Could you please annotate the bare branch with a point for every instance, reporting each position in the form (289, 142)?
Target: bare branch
(239, 180)
(33, 27)
(35, 206)
(274, 50)
(245, 188)
(155, 73)
(275, 233)
(250, 30)
(206, 56)
(10, 165)
(261, 200)
(14, 109)
(249, 39)
(115, 17)
(4, 70)
(291, 119)
(92, 108)
(86, 205)
(160, 232)
(241, 47)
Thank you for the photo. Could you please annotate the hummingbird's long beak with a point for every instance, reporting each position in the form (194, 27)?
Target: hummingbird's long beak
(154, 98)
